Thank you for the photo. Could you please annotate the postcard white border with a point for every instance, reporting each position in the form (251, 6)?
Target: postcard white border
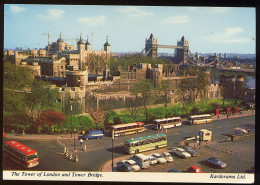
(124, 176)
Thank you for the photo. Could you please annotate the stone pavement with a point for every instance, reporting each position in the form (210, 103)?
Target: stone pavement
(38, 136)
(241, 114)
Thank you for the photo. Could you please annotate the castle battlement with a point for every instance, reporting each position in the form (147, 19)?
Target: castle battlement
(80, 73)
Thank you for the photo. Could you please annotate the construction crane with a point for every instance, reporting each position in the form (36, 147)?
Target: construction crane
(76, 40)
(50, 35)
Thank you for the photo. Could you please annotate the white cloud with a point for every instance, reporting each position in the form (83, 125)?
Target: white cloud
(175, 20)
(219, 9)
(16, 9)
(135, 12)
(52, 14)
(229, 36)
(93, 21)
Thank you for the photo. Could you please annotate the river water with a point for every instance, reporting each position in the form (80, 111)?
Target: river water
(250, 82)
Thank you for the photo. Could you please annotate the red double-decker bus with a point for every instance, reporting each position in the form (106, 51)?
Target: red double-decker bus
(21, 154)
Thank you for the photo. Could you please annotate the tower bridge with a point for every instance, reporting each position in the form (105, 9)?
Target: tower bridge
(169, 47)
(182, 49)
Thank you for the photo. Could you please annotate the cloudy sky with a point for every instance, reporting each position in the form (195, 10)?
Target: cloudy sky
(208, 29)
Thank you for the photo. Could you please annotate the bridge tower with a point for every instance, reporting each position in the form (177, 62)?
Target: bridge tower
(151, 46)
(182, 54)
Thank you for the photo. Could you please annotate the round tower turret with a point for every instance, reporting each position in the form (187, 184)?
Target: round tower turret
(107, 46)
(87, 46)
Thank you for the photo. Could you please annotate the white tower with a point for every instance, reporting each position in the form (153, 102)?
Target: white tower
(81, 49)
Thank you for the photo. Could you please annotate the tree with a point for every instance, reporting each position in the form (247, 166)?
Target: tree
(165, 89)
(16, 121)
(22, 93)
(184, 94)
(201, 84)
(133, 106)
(32, 113)
(190, 89)
(50, 118)
(16, 83)
(84, 121)
(145, 88)
(117, 121)
(98, 115)
(41, 95)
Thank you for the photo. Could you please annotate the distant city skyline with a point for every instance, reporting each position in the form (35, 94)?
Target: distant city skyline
(208, 29)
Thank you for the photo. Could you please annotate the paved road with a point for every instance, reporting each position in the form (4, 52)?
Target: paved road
(99, 151)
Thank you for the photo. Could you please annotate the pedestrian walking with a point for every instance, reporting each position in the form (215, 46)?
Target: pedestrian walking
(81, 141)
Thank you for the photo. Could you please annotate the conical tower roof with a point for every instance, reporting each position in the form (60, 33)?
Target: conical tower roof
(87, 43)
(151, 36)
(107, 44)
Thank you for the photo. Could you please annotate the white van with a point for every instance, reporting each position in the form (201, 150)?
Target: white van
(142, 160)
(181, 152)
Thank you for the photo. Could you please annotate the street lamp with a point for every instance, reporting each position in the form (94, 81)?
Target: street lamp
(71, 119)
(74, 140)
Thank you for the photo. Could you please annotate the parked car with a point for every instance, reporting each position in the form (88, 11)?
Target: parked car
(133, 164)
(167, 156)
(195, 169)
(215, 162)
(93, 134)
(152, 159)
(159, 158)
(120, 163)
(181, 152)
(174, 170)
(190, 151)
(124, 168)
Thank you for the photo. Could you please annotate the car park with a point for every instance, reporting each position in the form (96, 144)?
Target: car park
(195, 169)
(152, 159)
(167, 156)
(159, 158)
(142, 160)
(181, 153)
(133, 164)
(190, 151)
(174, 170)
(215, 162)
(124, 168)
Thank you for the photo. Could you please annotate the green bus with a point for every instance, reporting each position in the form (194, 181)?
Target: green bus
(144, 143)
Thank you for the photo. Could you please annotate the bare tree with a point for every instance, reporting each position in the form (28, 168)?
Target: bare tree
(33, 113)
(98, 115)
